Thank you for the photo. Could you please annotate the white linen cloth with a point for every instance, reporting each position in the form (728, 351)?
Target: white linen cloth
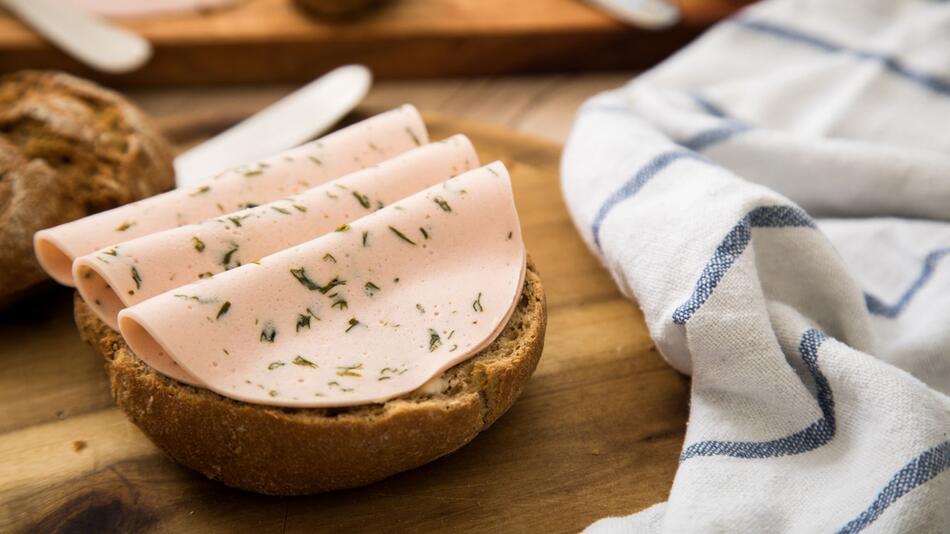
(776, 197)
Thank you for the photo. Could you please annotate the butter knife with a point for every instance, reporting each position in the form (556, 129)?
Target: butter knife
(647, 14)
(85, 36)
(298, 117)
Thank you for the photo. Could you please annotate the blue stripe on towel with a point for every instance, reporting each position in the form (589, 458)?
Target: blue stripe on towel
(699, 141)
(813, 436)
(707, 138)
(918, 471)
(713, 136)
(878, 307)
(732, 246)
(932, 82)
(637, 181)
(709, 106)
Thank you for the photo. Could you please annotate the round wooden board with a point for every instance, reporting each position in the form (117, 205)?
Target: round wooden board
(596, 433)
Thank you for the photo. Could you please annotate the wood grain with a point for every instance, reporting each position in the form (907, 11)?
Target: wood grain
(271, 41)
(540, 105)
(597, 431)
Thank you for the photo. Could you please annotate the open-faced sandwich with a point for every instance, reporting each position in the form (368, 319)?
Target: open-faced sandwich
(348, 309)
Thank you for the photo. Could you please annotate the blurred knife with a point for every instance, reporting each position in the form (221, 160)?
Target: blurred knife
(86, 37)
(647, 14)
(297, 118)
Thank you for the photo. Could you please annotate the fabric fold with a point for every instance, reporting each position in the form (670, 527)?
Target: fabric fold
(817, 346)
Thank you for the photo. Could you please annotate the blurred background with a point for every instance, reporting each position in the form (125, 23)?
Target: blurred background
(525, 64)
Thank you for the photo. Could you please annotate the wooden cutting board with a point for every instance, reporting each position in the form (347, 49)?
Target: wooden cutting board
(272, 41)
(597, 431)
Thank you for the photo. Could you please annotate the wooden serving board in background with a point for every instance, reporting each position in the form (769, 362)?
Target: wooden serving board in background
(272, 41)
(597, 431)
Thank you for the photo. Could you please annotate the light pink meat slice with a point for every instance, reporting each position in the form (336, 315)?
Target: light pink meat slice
(415, 288)
(116, 277)
(358, 146)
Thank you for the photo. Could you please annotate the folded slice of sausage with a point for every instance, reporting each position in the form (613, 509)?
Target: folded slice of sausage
(115, 277)
(363, 314)
(355, 147)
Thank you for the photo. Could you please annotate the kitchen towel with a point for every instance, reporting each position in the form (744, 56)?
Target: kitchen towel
(776, 198)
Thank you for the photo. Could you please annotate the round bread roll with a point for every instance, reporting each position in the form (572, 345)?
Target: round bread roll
(68, 148)
(297, 451)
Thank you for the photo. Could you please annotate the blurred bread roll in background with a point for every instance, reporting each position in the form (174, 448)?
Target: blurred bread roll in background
(68, 148)
(339, 9)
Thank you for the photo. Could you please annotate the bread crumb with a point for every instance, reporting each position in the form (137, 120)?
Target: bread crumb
(79, 445)
(434, 386)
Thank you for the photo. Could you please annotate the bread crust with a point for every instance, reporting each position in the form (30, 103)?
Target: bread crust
(281, 451)
(68, 148)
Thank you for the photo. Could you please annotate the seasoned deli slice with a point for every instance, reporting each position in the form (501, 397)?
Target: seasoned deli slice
(355, 147)
(415, 288)
(115, 277)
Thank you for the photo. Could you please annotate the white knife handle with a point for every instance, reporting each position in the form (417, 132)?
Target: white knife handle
(297, 118)
(86, 37)
(646, 14)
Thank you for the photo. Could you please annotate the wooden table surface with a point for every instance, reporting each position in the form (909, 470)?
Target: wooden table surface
(543, 106)
(596, 432)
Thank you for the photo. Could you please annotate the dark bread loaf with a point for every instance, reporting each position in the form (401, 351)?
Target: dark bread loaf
(68, 148)
(283, 451)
